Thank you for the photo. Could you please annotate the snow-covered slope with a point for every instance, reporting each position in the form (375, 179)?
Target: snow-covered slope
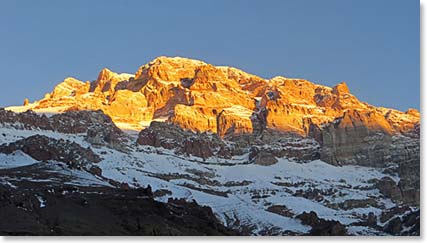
(243, 195)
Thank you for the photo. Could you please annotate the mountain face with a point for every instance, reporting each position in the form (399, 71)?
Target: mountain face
(282, 156)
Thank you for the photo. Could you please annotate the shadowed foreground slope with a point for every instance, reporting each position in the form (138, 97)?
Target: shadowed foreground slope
(46, 208)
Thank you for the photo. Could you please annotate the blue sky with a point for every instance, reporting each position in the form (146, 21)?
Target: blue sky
(373, 45)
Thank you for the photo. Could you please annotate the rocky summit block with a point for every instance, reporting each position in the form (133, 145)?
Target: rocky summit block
(202, 97)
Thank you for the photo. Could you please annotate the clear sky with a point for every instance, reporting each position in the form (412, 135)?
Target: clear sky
(373, 45)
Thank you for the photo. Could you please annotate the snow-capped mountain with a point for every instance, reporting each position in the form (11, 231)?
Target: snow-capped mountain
(282, 156)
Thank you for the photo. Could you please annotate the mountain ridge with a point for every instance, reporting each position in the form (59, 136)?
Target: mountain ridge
(258, 152)
(178, 88)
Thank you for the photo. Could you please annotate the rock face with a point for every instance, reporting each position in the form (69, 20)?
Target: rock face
(389, 188)
(224, 100)
(205, 145)
(43, 148)
(401, 221)
(366, 134)
(168, 136)
(367, 138)
(322, 227)
(98, 127)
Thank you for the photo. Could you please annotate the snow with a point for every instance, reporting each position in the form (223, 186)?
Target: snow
(153, 166)
(42, 201)
(16, 159)
(239, 111)
(135, 128)
(234, 188)
(46, 111)
(9, 135)
(19, 109)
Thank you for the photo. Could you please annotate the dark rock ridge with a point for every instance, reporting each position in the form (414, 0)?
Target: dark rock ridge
(402, 221)
(205, 145)
(70, 210)
(170, 136)
(99, 128)
(322, 227)
(43, 148)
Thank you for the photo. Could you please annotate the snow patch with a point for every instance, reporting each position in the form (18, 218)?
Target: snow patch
(15, 159)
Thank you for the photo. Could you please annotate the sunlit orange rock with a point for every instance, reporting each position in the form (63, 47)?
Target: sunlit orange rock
(234, 120)
(196, 118)
(70, 87)
(224, 100)
(107, 81)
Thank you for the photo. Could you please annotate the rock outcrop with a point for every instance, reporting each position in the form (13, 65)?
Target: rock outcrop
(402, 221)
(205, 145)
(261, 157)
(186, 142)
(98, 127)
(361, 133)
(43, 148)
(322, 227)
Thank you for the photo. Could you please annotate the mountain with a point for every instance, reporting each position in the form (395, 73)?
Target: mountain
(283, 156)
(192, 94)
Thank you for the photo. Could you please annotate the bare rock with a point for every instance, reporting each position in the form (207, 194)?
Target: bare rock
(322, 227)
(281, 210)
(260, 157)
(43, 148)
(394, 227)
(389, 188)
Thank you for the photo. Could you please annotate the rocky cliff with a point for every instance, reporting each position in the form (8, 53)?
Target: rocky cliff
(203, 97)
(246, 112)
(282, 156)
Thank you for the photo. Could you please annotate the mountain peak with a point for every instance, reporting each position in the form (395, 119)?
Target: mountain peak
(176, 59)
(105, 74)
(107, 80)
(341, 89)
(203, 97)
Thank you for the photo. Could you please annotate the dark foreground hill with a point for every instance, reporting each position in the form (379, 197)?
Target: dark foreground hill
(38, 207)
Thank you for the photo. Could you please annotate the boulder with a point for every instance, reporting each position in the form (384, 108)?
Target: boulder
(260, 157)
(389, 188)
(394, 227)
(322, 227)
